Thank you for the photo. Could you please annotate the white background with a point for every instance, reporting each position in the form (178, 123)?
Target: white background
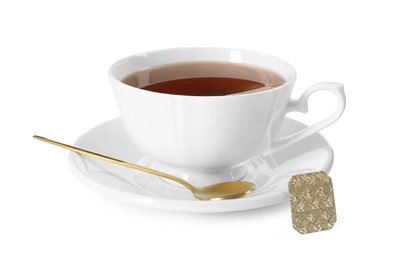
(54, 59)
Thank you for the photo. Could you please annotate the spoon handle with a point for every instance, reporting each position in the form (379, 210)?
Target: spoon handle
(114, 160)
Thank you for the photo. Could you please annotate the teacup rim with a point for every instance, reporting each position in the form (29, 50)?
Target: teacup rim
(287, 82)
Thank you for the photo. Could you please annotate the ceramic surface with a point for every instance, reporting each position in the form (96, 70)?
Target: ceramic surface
(217, 132)
(270, 173)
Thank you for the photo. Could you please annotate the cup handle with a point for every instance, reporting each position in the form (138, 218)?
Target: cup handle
(301, 105)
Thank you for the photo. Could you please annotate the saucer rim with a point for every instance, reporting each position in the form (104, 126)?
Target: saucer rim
(195, 206)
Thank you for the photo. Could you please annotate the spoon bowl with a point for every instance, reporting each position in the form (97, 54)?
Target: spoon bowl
(218, 191)
(224, 190)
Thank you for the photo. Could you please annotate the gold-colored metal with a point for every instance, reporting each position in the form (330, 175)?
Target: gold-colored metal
(219, 191)
(312, 202)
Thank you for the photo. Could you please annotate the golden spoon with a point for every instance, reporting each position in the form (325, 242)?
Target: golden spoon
(219, 191)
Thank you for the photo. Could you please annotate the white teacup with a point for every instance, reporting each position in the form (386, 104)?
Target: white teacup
(211, 134)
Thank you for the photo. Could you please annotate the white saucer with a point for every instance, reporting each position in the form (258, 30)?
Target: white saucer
(270, 173)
